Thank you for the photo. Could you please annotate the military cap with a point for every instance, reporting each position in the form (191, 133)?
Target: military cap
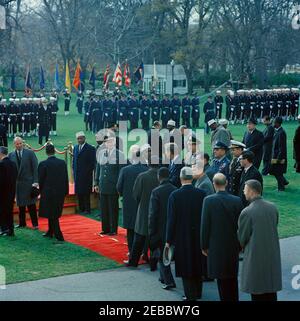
(171, 123)
(80, 134)
(223, 121)
(212, 121)
(220, 145)
(236, 144)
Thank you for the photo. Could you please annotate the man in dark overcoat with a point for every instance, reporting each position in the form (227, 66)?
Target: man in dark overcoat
(8, 178)
(126, 180)
(254, 141)
(54, 186)
(296, 145)
(279, 155)
(219, 240)
(84, 161)
(183, 232)
(268, 143)
(249, 172)
(157, 223)
(44, 121)
(27, 165)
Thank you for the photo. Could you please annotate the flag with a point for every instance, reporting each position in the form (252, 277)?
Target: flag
(68, 78)
(92, 80)
(82, 81)
(56, 78)
(106, 77)
(154, 77)
(28, 82)
(77, 80)
(42, 79)
(127, 75)
(118, 75)
(139, 73)
(13, 79)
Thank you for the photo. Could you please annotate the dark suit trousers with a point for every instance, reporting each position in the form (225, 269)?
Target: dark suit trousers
(109, 207)
(54, 228)
(140, 246)
(192, 288)
(32, 213)
(84, 202)
(165, 273)
(280, 180)
(267, 166)
(130, 237)
(264, 297)
(228, 289)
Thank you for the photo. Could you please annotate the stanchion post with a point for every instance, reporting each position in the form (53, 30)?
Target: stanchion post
(70, 148)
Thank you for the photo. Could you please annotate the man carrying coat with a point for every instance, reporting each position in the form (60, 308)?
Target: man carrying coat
(257, 232)
(54, 186)
(183, 232)
(127, 177)
(219, 240)
(27, 165)
(279, 155)
(84, 161)
(157, 223)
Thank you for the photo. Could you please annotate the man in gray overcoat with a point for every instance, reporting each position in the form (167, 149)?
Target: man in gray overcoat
(27, 165)
(257, 232)
(127, 177)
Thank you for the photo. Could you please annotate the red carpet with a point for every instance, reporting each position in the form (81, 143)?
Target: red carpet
(84, 231)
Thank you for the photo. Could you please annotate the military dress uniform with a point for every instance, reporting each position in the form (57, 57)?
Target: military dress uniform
(165, 111)
(123, 108)
(12, 118)
(87, 117)
(155, 109)
(34, 116)
(219, 105)
(145, 104)
(176, 103)
(54, 109)
(79, 102)
(133, 113)
(195, 111)
(44, 122)
(3, 113)
(67, 97)
(186, 111)
(26, 114)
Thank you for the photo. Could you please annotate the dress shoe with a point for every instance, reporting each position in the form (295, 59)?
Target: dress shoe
(286, 182)
(161, 281)
(102, 233)
(60, 239)
(126, 261)
(207, 279)
(20, 226)
(168, 286)
(281, 189)
(7, 233)
(47, 235)
(184, 298)
(129, 265)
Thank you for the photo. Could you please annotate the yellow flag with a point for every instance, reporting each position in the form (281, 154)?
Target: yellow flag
(68, 79)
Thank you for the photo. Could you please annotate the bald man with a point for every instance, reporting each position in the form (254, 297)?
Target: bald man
(27, 166)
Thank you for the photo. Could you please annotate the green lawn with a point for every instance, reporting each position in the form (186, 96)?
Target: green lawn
(29, 257)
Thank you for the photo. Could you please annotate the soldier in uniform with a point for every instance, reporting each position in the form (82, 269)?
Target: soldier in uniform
(133, 112)
(235, 168)
(34, 116)
(273, 102)
(44, 121)
(97, 113)
(20, 119)
(209, 112)
(155, 109)
(195, 111)
(220, 163)
(67, 102)
(219, 104)
(12, 118)
(175, 115)
(123, 108)
(186, 111)
(145, 104)
(26, 110)
(87, 117)
(294, 103)
(230, 99)
(165, 111)
(280, 102)
(3, 114)
(79, 102)
(54, 109)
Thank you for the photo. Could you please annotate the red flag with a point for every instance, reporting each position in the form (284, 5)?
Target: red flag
(106, 77)
(127, 75)
(118, 75)
(76, 81)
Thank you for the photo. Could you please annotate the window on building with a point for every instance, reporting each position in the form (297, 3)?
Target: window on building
(179, 83)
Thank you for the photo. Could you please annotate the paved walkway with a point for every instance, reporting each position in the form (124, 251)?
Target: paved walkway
(130, 284)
